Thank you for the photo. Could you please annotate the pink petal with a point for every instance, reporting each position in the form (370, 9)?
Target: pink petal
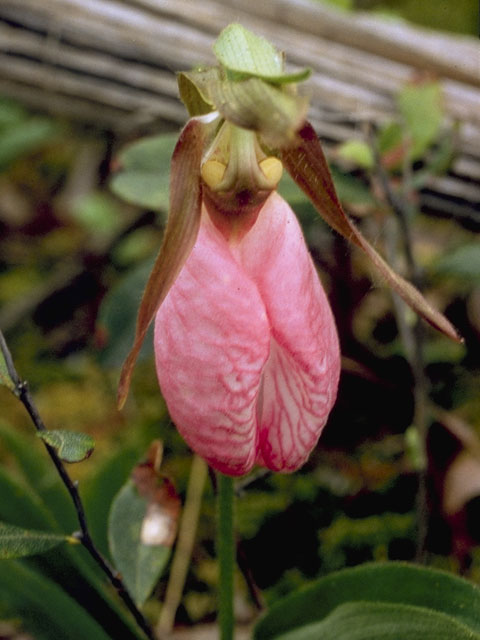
(300, 378)
(211, 344)
(246, 348)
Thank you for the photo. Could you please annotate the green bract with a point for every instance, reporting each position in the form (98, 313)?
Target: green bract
(240, 50)
(244, 54)
(249, 88)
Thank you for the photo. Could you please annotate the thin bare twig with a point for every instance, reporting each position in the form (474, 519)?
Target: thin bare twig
(22, 391)
(412, 336)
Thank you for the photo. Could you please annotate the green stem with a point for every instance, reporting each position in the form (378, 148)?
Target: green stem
(226, 555)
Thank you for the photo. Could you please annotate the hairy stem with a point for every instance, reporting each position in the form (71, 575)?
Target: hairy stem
(22, 391)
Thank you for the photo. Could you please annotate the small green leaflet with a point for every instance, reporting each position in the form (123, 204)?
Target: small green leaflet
(5, 379)
(16, 542)
(70, 446)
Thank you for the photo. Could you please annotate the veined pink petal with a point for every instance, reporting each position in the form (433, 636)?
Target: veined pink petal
(301, 375)
(211, 344)
(246, 348)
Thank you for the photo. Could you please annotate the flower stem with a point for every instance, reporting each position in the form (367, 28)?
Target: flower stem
(226, 555)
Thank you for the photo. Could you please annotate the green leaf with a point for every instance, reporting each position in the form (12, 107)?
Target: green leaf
(100, 489)
(462, 263)
(98, 213)
(379, 621)
(16, 542)
(118, 314)
(24, 138)
(437, 161)
(358, 152)
(11, 113)
(350, 189)
(390, 137)
(421, 108)
(20, 503)
(41, 483)
(70, 445)
(140, 565)
(389, 583)
(152, 153)
(33, 466)
(247, 55)
(25, 504)
(44, 609)
(144, 173)
(5, 379)
(142, 188)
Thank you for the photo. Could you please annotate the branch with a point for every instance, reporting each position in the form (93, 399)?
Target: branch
(22, 392)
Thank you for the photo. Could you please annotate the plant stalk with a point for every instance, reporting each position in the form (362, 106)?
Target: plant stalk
(226, 555)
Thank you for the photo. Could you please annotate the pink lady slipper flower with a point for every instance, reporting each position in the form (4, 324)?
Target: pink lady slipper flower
(246, 349)
(245, 343)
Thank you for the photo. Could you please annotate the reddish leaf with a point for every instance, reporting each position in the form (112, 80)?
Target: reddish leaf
(180, 235)
(307, 165)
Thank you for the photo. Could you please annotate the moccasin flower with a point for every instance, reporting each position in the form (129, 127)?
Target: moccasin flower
(246, 349)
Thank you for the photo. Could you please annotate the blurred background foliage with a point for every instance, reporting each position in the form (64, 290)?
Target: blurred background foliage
(73, 259)
(459, 17)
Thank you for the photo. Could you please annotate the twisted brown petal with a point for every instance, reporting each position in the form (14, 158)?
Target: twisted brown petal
(180, 235)
(308, 167)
